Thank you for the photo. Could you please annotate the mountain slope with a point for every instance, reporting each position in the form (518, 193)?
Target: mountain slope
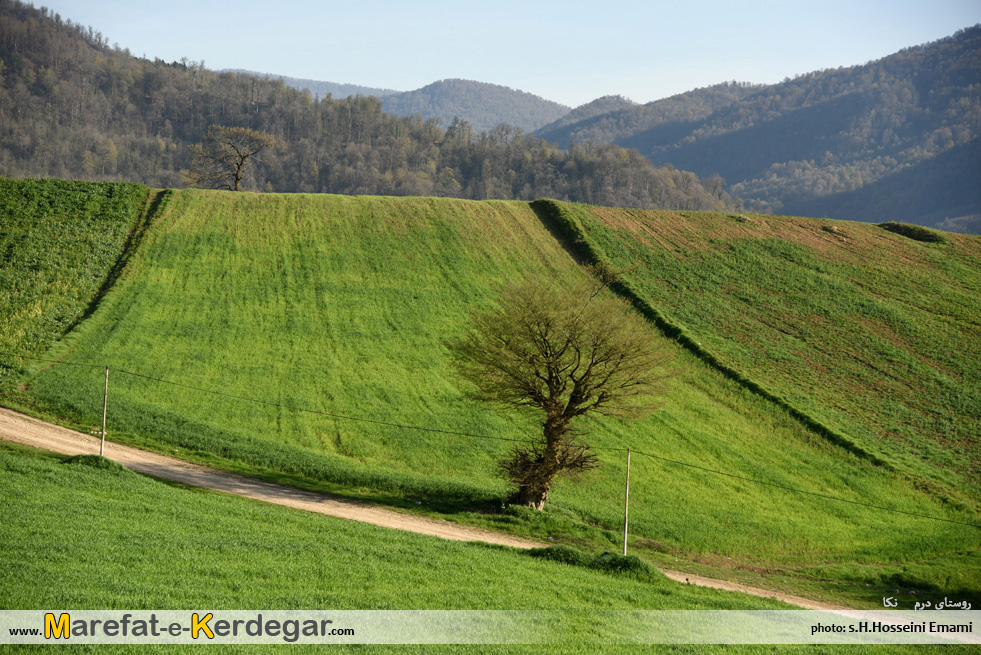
(942, 191)
(659, 121)
(332, 312)
(598, 107)
(318, 87)
(73, 107)
(484, 106)
(799, 146)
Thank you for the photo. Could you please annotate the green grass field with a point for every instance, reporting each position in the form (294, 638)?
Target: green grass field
(875, 334)
(342, 305)
(59, 242)
(89, 537)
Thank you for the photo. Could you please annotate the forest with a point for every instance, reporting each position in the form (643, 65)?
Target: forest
(837, 143)
(485, 106)
(318, 88)
(73, 106)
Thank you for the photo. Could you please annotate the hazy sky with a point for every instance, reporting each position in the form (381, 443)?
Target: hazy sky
(567, 51)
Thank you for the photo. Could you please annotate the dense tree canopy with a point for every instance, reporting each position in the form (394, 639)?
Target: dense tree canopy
(73, 107)
(828, 142)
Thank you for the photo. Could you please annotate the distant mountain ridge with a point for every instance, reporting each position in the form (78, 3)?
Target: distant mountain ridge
(317, 87)
(597, 107)
(483, 105)
(661, 118)
(833, 143)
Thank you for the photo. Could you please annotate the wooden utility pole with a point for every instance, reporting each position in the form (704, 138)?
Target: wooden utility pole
(626, 504)
(105, 404)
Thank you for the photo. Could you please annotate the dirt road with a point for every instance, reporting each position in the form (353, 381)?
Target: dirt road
(23, 429)
(33, 432)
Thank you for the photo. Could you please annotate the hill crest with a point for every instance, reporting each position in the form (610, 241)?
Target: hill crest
(815, 144)
(483, 105)
(318, 88)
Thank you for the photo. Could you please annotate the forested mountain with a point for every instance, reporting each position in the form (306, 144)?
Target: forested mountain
(73, 107)
(942, 191)
(485, 106)
(662, 119)
(318, 88)
(598, 107)
(838, 143)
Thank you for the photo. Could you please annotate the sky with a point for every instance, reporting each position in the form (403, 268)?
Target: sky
(567, 51)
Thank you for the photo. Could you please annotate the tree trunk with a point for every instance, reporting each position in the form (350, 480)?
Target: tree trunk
(528, 497)
(534, 492)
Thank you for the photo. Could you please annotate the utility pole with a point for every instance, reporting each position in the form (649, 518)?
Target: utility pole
(105, 404)
(626, 504)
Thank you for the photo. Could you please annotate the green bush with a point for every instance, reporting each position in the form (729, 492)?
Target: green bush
(613, 563)
(97, 462)
(915, 232)
(563, 554)
(623, 564)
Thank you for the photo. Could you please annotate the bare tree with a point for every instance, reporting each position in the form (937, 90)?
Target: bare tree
(220, 162)
(563, 353)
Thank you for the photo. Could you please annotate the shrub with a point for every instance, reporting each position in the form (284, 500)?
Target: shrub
(915, 232)
(564, 554)
(96, 461)
(608, 562)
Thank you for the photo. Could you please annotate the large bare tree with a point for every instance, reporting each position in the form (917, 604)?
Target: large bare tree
(563, 353)
(221, 161)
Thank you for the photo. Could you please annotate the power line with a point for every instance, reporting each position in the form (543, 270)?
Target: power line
(526, 441)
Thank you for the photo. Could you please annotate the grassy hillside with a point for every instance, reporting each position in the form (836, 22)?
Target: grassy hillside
(875, 334)
(90, 537)
(58, 244)
(94, 537)
(341, 305)
(287, 556)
